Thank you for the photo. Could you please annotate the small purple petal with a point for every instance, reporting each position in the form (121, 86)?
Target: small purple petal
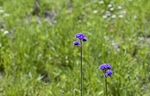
(76, 43)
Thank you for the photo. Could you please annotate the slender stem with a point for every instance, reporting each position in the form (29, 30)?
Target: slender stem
(106, 84)
(81, 68)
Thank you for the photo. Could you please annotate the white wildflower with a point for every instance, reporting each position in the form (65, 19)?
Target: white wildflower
(5, 32)
(120, 16)
(5, 15)
(106, 38)
(113, 16)
(101, 2)
(119, 7)
(124, 12)
(1, 11)
(88, 23)
(95, 11)
(111, 9)
(109, 5)
(135, 17)
(105, 16)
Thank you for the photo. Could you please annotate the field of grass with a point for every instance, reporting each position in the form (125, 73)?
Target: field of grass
(37, 56)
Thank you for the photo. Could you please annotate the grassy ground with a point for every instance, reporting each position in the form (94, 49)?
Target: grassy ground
(37, 57)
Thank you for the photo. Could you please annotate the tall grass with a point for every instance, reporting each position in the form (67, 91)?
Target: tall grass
(37, 57)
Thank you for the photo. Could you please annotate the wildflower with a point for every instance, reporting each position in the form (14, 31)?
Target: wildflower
(85, 39)
(113, 16)
(109, 72)
(105, 66)
(101, 2)
(95, 11)
(80, 36)
(108, 66)
(106, 72)
(111, 9)
(5, 15)
(124, 12)
(102, 67)
(106, 38)
(76, 43)
(105, 16)
(109, 5)
(121, 16)
(1, 11)
(119, 7)
(135, 17)
(5, 32)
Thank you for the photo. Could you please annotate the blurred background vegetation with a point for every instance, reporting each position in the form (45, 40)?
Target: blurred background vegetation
(37, 56)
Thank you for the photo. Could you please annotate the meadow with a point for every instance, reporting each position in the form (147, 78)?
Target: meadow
(37, 56)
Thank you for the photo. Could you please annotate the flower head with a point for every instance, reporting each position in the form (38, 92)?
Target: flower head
(109, 5)
(5, 32)
(76, 43)
(102, 67)
(108, 66)
(109, 72)
(105, 67)
(80, 36)
(85, 39)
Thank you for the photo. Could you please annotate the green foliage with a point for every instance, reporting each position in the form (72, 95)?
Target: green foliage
(37, 56)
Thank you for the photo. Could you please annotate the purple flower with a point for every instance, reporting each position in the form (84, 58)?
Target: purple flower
(105, 66)
(108, 66)
(85, 39)
(102, 67)
(109, 72)
(80, 36)
(76, 43)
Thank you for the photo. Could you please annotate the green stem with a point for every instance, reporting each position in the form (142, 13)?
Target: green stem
(106, 84)
(81, 68)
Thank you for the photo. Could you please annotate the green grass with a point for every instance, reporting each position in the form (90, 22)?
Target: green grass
(37, 56)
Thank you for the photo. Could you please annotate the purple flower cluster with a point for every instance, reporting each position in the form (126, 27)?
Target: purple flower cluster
(76, 43)
(81, 37)
(109, 72)
(105, 67)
